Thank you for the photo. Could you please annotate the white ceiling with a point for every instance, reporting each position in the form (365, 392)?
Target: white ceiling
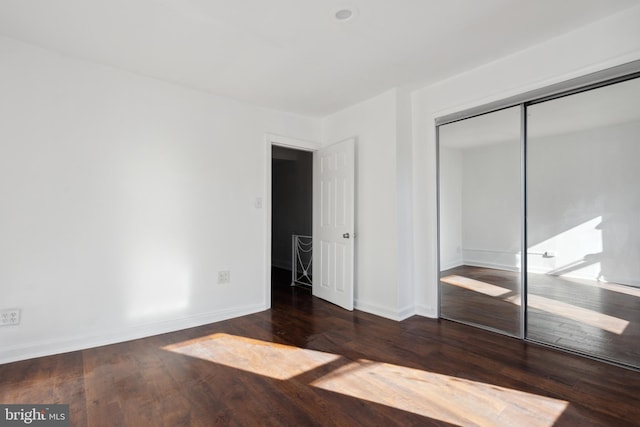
(292, 55)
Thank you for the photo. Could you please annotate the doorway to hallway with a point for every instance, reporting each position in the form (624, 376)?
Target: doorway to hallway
(291, 216)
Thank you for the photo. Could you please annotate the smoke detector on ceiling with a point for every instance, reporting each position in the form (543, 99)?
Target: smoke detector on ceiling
(345, 13)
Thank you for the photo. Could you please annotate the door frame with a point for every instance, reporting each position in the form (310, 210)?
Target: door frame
(280, 141)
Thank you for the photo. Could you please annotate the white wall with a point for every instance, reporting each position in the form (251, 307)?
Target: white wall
(384, 238)
(404, 185)
(374, 124)
(122, 197)
(606, 43)
(584, 202)
(491, 205)
(480, 205)
(450, 207)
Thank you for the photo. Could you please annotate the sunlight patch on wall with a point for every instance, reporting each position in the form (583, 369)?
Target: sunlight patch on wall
(277, 361)
(157, 284)
(575, 252)
(449, 399)
(156, 202)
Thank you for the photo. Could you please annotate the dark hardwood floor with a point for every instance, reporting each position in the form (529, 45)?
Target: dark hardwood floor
(308, 362)
(600, 319)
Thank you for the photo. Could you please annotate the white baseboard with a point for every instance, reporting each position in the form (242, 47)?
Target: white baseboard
(622, 281)
(607, 279)
(10, 354)
(451, 264)
(537, 270)
(406, 312)
(426, 311)
(500, 260)
(495, 266)
(382, 311)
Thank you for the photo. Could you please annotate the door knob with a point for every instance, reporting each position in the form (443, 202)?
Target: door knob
(345, 235)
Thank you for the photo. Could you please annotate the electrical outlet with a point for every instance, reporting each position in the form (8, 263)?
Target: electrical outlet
(224, 276)
(10, 317)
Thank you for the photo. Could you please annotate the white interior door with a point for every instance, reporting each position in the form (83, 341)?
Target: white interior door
(333, 223)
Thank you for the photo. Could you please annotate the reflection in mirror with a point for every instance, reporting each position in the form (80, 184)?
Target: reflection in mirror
(480, 220)
(583, 216)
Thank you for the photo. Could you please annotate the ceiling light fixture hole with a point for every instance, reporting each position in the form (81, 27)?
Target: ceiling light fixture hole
(344, 14)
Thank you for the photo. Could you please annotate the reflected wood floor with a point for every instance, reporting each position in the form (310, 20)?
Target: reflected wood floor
(600, 319)
(308, 362)
(485, 303)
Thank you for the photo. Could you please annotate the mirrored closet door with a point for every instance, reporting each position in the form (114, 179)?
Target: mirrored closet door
(555, 171)
(479, 216)
(583, 216)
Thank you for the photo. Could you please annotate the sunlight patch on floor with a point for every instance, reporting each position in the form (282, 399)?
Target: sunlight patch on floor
(277, 361)
(442, 397)
(475, 285)
(613, 287)
(579, 314)
(446, 398)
